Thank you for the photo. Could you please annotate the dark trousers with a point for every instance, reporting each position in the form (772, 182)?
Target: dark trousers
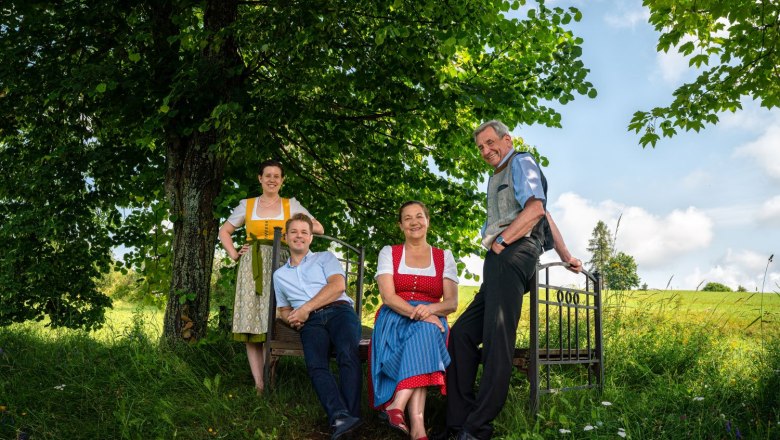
(491, 320)
(336, 327)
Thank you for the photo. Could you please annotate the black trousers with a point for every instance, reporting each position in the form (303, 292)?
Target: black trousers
(491, 320)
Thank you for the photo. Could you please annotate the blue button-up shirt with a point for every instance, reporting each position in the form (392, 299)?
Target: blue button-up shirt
(295, 285)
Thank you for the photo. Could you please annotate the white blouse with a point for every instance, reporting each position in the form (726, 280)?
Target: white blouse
(385, 265)
(238, 216)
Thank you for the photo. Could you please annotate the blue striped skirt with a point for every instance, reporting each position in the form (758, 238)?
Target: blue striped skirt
(402, 348)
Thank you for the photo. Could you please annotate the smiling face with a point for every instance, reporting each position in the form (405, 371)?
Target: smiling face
(271, 180)
(299, 237)
(493, 148)
(414, 222)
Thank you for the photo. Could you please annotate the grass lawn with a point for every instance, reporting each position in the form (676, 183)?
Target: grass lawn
(678, 365)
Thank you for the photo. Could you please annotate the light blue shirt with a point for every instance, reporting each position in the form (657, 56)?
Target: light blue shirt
(295, 285)
(526, 179)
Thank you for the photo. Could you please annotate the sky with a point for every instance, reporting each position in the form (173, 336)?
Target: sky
(699, 207)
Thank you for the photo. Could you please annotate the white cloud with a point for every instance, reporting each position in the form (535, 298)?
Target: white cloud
(655, 240)
(735, 268)
(770, 211)
(627, 18)
(651, 239)
(765, 151)
(672, 66)
(752, 117)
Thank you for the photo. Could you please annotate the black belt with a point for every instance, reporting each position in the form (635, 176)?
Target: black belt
(334, 303)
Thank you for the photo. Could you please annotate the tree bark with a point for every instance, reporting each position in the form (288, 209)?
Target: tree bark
(195, 169)
(193, 181)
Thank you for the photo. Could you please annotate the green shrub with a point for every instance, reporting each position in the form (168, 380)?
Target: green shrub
(716, 287)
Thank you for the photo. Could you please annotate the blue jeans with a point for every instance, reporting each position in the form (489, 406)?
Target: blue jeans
(336, 328)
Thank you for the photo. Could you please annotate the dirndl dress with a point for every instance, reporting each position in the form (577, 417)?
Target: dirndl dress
(406, 353)
(253, 280)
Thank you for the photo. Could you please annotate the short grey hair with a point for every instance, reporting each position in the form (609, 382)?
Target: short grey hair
(500, 128)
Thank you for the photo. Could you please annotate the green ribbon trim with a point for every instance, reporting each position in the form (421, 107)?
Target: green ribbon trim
(257, 263)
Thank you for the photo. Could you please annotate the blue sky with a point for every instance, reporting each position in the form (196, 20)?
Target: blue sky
(699, 207)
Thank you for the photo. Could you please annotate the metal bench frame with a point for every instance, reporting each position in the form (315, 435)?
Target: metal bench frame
(567, 302)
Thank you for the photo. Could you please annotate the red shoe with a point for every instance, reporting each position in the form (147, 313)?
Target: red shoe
(395, 419)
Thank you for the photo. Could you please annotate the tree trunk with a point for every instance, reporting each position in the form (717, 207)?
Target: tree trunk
(193, 180)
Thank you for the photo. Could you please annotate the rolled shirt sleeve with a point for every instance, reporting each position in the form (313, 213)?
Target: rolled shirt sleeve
(527, 179)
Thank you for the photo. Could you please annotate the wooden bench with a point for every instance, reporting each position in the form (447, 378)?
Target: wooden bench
(570, 318)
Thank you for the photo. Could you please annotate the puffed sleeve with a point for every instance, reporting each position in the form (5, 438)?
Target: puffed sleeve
(385, 261)
(450, 267)
(238, 216)
(296, 207)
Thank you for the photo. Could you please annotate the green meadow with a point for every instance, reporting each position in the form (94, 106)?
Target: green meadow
(678, 365)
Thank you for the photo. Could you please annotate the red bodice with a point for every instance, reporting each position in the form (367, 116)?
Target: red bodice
(419, 287)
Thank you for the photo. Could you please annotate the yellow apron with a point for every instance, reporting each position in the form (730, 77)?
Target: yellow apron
(261, 232)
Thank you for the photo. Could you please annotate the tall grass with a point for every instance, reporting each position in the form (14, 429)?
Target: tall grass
(672, 371)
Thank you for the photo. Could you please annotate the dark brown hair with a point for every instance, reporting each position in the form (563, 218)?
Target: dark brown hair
(413, 202)
(270, 163)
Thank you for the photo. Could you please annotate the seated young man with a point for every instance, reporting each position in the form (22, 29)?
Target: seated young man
(310, 294)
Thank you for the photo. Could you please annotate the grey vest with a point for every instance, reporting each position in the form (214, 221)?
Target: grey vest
(503, 207)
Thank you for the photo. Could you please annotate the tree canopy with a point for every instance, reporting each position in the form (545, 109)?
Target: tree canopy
(621, 272)
(735, 43)
(141, 124)
(716, 287)
(600, 247)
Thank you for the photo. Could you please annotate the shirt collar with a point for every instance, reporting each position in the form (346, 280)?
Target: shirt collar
(503, 163)
(303, 260)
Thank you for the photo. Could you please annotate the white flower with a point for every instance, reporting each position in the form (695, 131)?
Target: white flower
(60, 387)
(599, 423)
(564, 431)
(698, 399)
(622, 434)
(605, 403)
(588, 428)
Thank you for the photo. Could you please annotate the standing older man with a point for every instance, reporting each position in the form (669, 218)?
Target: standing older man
(517, 230)
(311, 298)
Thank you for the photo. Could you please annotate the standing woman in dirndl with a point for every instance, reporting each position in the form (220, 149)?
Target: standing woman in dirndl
(253, 282)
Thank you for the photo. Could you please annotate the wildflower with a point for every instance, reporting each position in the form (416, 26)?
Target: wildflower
(621, 432)
(605, 403)
(3, 408)
(564, 431)
(60, 387)
(737, 433)
(683, 417)
(728, 426)
(211, 430)
(588, 428)
(599, 423)
(698, 399)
